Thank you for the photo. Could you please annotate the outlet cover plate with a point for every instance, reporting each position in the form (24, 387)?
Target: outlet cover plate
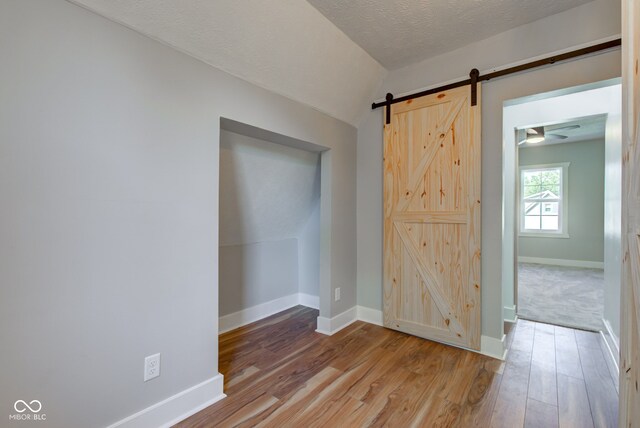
(151, 367)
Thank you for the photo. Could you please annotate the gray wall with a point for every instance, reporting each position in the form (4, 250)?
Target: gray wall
(586, 202)
(252, 274)
(267, 190)
(309, 254)
(598, 19)
(613, 224)
(109, 150)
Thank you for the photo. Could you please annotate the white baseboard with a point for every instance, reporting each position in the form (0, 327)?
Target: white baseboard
(308, 300)
(263, 310)
(509, 314)
(562, 262)
(372, 316)
(255, 313)
(176, 408)
(333, 325)
(488, 345)
(612, 343)
(493, 347)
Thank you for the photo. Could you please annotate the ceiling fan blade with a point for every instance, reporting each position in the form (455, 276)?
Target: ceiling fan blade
(555, 137)
(563, 128)
(536, 130)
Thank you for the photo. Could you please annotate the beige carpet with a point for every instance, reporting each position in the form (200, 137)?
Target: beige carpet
(566, 296)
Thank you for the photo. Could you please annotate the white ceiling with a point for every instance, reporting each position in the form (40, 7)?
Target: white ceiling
(400, 32)
(321, 52)
(285, 46)
(590, 128)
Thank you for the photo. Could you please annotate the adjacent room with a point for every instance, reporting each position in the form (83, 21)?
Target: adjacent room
(319, 213)
(561, 233)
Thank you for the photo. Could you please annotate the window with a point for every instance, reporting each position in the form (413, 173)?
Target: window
(543, 200)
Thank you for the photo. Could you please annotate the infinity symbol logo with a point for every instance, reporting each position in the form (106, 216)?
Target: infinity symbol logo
(21, 406)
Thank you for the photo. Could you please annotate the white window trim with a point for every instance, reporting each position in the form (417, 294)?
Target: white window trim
(564, 206)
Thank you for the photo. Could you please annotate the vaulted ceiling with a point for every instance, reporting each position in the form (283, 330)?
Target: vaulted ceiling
(329, 54)
(401, 32)
(285, 46)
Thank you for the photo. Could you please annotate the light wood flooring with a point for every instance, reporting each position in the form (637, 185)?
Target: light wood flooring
(280, 373)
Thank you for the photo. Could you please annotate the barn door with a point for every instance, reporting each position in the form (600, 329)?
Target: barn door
(432, 218)
(630, 326)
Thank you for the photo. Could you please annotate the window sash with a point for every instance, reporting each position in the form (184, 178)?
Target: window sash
(559, 184)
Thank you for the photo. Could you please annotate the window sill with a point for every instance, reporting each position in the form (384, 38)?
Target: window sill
(543, 235)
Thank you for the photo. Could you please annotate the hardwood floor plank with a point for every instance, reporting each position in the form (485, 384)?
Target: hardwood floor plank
(540, 415)
(300, 400)
(573, 403)
(601, 390)
(542, 384)
(403, 403)
(567, 357)
(523, 335)
(542, 379)
(280, 373)
(481, 399)
(440, 413)
(463, 377)
(587, 339)
(240, 376)
(377, 396)
(544, 347)
(256, 407)
(511, 403)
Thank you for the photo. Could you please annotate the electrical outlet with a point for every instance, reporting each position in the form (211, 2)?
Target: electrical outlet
(151, 367)
(337, 294)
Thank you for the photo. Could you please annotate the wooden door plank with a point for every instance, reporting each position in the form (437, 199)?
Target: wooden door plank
(430, 281)
(432, 171)
(446, 217)
(630, 292)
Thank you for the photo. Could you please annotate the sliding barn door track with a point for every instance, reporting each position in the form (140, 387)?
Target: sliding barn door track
(475, 77)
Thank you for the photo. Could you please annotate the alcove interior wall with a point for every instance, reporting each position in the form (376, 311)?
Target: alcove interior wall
(269, 225)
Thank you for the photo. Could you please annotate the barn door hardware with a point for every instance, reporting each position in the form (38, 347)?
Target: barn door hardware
(475, 77)
(389, 98)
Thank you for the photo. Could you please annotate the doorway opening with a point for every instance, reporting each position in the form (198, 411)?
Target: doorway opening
(273, 205)
(562, 209)
(560, 233)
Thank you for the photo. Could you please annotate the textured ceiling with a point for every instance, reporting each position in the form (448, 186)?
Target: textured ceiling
(400, 32)
(285, 46)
